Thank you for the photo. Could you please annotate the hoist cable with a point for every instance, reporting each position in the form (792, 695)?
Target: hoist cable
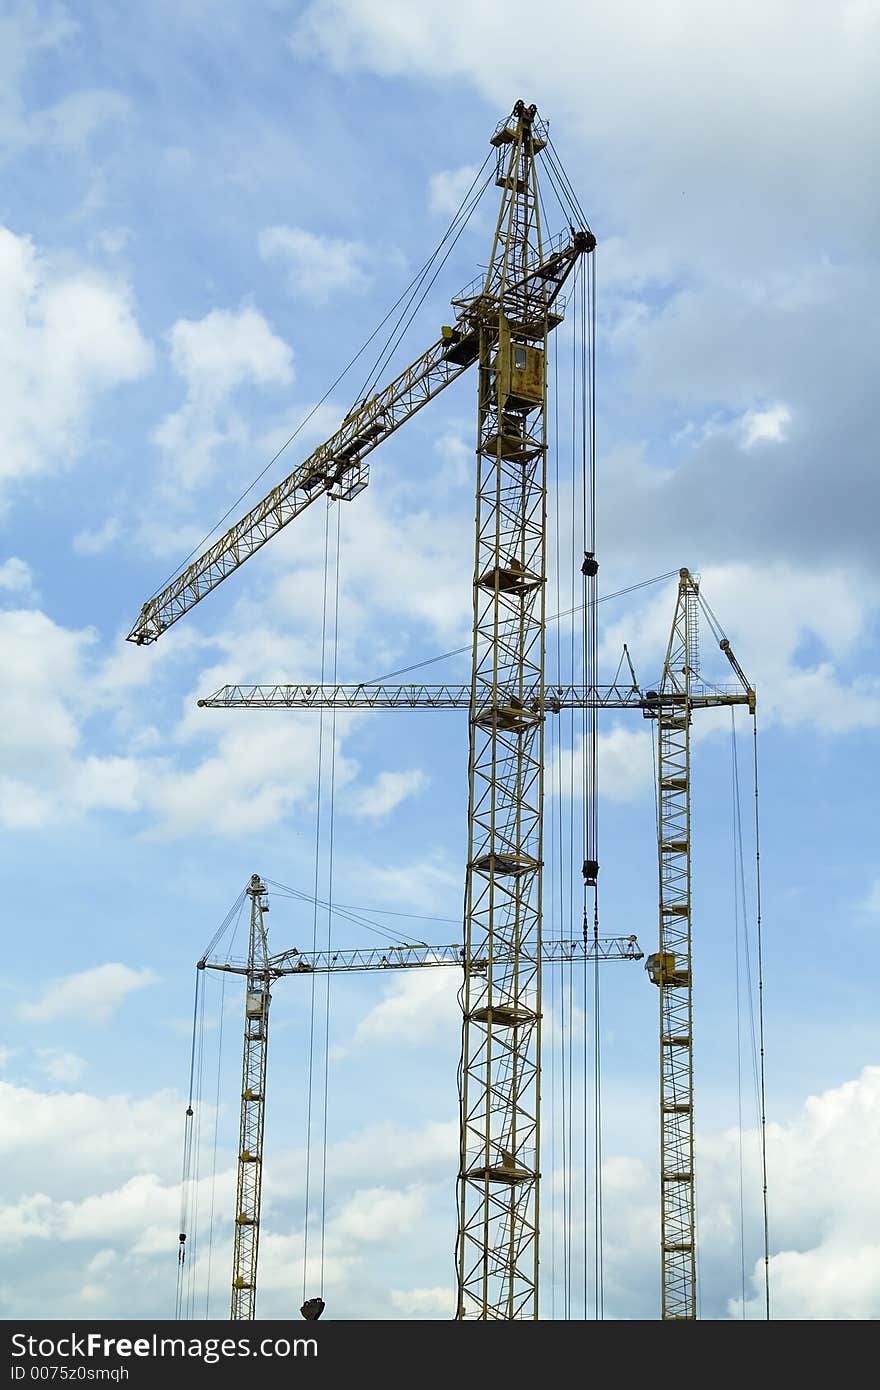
(394, 937)
(553, 161)
(760, 943)
(417, 278)
(411, 308)
(736, 827)
(214, 1154)
(552, 618)
(312, 1014)
(234, 912)
(557, 810)
(187, 1160)
(195, 1167)
(330, 906)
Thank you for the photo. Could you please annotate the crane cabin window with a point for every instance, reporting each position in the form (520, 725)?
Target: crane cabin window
(520, 358)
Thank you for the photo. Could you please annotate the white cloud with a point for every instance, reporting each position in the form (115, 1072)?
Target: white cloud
(66, 338)
(625, 765)
(870, 903)
(386, 792)
(420, 1006)
(448, 187)
(26, 32)
(90, 996)
(825, 1207)
(374, 1213)
(216, 356)
(765, 426)
(756, 68)
(316, 267)
(437, 1302)
(16, 577)
(59, 1065)
(429, 882)
(96, 540)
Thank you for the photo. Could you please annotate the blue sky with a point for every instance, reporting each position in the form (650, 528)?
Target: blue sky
(205, 209)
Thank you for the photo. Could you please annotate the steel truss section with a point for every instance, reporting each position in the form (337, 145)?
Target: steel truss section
(562, 950)
(501, 1040)
(370, 695)
(673, 972)
(246, 1241)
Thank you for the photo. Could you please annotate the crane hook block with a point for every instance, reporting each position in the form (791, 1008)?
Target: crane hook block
(591, 872)
(312, 1309)
(590, 567)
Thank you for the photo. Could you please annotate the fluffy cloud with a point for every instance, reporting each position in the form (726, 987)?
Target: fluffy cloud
(420, 1006)
(216, 356)
(60, 1066)
(448, 188)
(89, 996)
(797, 96)
(625, 765)
(110, 1211)
(95, 540)
(869, 905)
(386, 793)
(436, 1302)
(27, 32)
(316, 267)
(16, 577)
(66, 338)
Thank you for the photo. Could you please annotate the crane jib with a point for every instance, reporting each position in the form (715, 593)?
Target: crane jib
(338, 468)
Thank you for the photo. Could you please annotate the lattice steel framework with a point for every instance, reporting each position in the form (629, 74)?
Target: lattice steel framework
(501, 1043)
(253, 1104)
(673, 971)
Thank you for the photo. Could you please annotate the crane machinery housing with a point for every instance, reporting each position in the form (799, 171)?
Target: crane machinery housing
(501, 326)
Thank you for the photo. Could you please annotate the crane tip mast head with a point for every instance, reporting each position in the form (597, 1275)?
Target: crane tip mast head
(148, 627)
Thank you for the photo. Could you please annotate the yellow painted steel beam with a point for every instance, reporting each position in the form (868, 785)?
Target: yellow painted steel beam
(617, 695)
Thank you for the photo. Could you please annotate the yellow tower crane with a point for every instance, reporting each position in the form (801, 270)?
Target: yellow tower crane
(260, 971)
(502, 324)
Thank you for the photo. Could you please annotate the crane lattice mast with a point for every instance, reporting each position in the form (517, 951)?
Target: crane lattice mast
(246, 1240)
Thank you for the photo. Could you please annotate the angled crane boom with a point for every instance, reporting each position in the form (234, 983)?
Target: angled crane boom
(338, 468)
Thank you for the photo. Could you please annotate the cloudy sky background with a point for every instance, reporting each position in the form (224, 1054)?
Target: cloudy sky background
(205, 209)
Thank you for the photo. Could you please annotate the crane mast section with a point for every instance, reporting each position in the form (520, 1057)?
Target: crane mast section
(671, 969)
(501, 1037)
(337, 468)
(246, 1240)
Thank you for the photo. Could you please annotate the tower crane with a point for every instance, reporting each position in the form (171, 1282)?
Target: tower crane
(260, 971)
(502, 325)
